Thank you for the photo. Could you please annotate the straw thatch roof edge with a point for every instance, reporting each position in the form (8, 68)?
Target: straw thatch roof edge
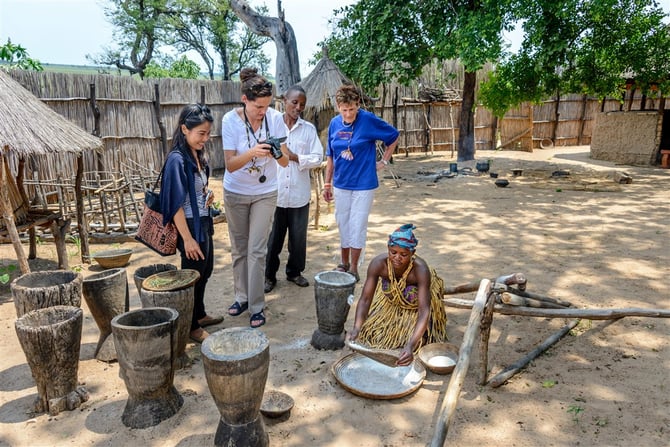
(322, 84)
(30, 127)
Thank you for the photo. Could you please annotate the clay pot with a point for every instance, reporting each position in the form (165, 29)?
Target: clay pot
(482, 166)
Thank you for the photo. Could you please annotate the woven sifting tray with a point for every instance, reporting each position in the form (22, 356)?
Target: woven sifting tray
(171, 280)
(365, 377)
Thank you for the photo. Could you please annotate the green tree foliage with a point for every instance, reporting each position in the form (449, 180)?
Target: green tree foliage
(210, 28)
(575, 46)
(183, 68)
(376, 41)
(138, 25)
(16, 56)
(147, 29)
(587, 46)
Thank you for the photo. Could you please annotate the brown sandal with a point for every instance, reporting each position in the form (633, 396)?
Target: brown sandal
(199, 335)
(342, 267)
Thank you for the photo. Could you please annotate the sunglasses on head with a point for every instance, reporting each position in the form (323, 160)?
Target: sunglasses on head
(260, 87)
(197, 110)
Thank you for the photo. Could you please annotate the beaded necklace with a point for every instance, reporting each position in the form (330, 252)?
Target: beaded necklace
(347, 154)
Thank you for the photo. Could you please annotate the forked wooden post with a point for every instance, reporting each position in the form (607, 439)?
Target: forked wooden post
(458, 376)
(484, 334)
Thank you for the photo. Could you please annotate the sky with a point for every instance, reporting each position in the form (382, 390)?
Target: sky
(65, 31)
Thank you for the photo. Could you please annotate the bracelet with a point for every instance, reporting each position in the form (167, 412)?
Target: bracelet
(385, 162)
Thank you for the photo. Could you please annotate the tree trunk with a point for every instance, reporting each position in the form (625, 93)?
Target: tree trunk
(466, 136)
(8, 217)
(287, 70)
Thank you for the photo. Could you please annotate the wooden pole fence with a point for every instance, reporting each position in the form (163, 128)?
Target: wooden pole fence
(591, 314)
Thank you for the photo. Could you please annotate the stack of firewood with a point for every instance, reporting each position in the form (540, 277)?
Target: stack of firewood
(511, 290)
(436, 95)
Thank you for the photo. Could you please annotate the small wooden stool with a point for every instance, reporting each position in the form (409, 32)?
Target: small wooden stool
(665, 158)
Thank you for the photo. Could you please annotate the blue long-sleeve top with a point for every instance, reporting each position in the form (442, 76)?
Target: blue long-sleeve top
(178, 180)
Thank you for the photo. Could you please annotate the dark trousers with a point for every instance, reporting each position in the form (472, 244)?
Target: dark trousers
(293, 220)
(203, 266)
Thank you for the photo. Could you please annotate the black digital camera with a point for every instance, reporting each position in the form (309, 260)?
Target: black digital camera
(275, 146)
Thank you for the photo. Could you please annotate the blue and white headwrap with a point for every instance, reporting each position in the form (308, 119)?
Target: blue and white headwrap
(403, 237)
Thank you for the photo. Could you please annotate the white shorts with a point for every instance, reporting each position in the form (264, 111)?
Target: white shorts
(352, 209)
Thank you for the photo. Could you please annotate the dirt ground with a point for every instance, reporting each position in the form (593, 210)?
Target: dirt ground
(584, 239)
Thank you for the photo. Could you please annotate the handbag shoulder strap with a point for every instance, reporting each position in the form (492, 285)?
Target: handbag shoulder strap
(158, 180)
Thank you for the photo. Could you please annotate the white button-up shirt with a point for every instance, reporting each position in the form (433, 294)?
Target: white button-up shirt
(294, 182)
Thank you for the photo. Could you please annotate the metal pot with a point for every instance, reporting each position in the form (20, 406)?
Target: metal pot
(482, 166)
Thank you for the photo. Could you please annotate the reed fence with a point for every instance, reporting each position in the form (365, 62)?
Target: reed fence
(429, 126)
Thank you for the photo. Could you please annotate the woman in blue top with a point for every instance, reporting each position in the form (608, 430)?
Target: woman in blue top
(351, 171)
(186, 200)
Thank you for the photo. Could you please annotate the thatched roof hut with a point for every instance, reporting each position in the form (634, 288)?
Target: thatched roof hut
(29, 128)
(320, 86)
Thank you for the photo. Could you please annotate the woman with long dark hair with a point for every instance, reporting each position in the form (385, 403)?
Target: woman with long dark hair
(186, 200)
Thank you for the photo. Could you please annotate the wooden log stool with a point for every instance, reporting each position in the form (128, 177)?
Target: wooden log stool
(665, 158)
(50, 339)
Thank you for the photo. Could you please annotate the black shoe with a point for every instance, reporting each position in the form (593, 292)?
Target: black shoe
(269, 285)
(299, 281)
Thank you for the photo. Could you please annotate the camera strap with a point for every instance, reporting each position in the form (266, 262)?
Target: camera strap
(248, 128)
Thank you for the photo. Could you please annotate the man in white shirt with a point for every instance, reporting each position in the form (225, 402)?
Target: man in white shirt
(292, 212)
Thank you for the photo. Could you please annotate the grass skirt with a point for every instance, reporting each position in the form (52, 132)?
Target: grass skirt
(394, 312)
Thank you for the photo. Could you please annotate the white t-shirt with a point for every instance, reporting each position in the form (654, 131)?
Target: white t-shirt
(236, 137)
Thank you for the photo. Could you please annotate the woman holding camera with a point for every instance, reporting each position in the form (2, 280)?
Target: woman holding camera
(252, 144)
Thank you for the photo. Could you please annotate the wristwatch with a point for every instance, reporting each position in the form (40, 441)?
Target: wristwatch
(385, 162)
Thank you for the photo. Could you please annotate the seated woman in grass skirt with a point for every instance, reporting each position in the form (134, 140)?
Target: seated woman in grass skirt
(401, 303)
